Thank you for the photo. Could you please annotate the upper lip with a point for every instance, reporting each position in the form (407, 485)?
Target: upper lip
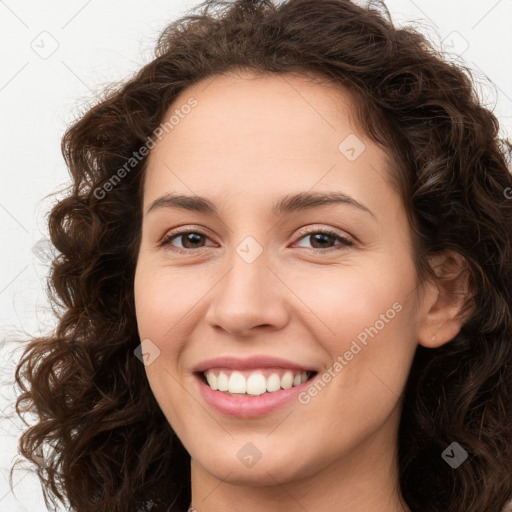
(250, 363)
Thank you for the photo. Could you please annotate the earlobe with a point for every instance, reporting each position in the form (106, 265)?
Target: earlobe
(443, 300)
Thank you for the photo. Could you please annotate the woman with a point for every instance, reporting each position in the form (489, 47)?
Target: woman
(285, 275)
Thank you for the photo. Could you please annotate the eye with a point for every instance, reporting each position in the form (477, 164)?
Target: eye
(190, 240)
(323, 237)
(193, 240)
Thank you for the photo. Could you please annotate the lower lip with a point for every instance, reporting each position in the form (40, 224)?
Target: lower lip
(247, 406)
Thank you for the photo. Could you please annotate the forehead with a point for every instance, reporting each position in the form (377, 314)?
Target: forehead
(263, 114)
(237, 104)
(252, 132)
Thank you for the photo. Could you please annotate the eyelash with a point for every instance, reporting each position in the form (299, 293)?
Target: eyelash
(166, 241)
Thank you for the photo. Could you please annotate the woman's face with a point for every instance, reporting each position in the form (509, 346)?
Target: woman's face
(261, 276)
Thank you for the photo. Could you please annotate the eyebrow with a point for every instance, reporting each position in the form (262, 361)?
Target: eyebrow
(285, 205)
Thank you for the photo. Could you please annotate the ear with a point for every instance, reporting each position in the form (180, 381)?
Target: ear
(440, 320)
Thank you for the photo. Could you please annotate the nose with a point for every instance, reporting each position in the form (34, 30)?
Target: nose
(249, 296)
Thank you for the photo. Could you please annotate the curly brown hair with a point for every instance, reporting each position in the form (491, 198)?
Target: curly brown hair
(101, 442)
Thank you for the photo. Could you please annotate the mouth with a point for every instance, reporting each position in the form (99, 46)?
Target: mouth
(256, 382)
(253, 387)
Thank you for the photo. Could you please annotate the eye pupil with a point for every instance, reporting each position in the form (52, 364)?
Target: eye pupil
(322, 238)
(193, 238)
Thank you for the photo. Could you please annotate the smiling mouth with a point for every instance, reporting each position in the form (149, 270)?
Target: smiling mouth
(254, 382)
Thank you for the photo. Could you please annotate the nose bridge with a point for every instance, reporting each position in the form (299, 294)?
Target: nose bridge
(249, 294)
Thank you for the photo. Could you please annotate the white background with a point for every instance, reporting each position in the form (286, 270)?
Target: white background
(101, 42)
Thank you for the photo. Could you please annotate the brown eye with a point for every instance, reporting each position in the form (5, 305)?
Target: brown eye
(190, 240)
(324, 239)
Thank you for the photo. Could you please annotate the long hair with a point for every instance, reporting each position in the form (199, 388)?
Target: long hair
(101, 442)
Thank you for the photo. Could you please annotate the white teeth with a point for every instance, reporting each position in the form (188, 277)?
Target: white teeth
(273, 382)
(256, 383)
(222, 382)
(287, 380)
(237, 383)
(212, 380)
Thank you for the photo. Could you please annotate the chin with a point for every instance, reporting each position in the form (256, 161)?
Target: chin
(234, 464)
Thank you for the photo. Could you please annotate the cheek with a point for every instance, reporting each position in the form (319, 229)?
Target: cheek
(158, 311)
(163, 299)
(347, 300)
(367, 322)
(167, 303)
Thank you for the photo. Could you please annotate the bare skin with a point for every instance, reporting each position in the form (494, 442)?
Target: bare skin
(249, 142)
